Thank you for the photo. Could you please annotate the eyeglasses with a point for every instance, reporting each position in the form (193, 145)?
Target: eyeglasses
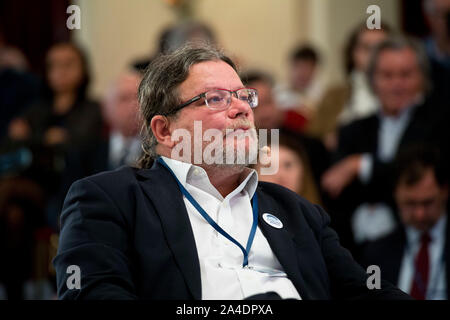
(220, 99)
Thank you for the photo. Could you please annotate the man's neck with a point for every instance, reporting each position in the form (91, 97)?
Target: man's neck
(224, 178)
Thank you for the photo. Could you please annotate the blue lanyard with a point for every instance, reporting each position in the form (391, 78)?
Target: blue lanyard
(214, 224)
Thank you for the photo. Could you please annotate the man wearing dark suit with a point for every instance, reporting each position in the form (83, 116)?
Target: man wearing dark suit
(121, 144)
(186, 229)
(421, 195)
(361, 179)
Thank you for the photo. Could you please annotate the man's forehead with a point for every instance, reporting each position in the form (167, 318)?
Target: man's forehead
(210, 75)
(406, 51)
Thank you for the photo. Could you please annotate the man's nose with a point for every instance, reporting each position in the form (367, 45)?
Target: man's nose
(397, 83)
(419, 212)
(238, 108)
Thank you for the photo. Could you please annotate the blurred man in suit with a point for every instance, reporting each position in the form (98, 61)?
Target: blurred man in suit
(415, 256)
(361, 178)
(120, 110)
(269, 116)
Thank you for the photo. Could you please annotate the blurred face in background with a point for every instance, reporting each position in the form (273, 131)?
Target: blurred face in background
(290, 172)
(367, 40)
(436, 14)
(302, 73)
(397, 80)
(266, 115)
(423, 203)
(121, 106)
(64, 68)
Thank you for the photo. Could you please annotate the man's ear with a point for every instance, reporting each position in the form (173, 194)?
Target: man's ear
(160, 127)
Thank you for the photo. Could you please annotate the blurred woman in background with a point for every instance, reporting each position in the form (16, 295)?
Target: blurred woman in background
(294, 170)
(62, 128)
(352, 100)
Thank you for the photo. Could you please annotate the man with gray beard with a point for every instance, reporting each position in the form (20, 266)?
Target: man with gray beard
(173, 229)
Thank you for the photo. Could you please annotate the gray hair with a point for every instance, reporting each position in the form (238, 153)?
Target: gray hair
(158, 92)
(399, 43)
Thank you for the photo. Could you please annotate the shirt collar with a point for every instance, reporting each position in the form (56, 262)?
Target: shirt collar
(188, 173)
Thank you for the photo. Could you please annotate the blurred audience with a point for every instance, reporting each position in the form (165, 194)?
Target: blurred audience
(354, 100)
(62, 129)
(437, 13)
(174, 36)
(294, 171)
(415, 255)
(18, 87)
(59, 133)
(304, 88)
(268, 116)
(399, 76)
(121, 113)
(391, 214)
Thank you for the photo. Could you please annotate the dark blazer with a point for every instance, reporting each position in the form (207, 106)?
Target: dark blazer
(361, 136)
(387, 253)
(130, 234)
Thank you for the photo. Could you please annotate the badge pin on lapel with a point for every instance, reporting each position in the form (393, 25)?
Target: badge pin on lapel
(273, 221)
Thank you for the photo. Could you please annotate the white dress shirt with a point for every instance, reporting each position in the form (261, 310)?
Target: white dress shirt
(390, 132)
(222, 273)
(437, 278)
(362, 102)
(372, 221)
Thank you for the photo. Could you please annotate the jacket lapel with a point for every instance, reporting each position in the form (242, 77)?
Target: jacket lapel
(167, 199)
(372, 133)
(282, 243)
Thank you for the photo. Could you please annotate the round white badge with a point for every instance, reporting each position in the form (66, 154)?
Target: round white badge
(273, 221)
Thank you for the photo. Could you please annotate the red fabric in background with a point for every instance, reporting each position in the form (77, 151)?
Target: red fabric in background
(295, 121)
